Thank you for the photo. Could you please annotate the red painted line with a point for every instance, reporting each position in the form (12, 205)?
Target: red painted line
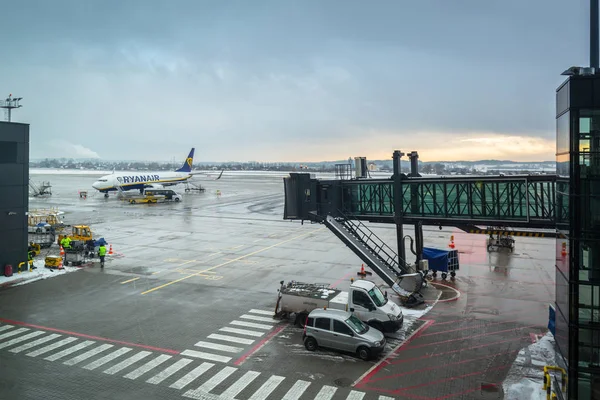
(367, 377)
(340, 280)
(455, 351)
(469, 337)
(253, 350)
(143, 346)
(414, 371)
(470, 327)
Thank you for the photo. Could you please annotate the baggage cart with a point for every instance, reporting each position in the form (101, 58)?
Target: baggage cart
(444, 261)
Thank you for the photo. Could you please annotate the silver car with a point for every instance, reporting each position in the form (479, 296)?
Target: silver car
(341, 330)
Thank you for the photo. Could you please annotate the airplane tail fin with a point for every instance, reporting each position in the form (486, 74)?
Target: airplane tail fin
(187, 165)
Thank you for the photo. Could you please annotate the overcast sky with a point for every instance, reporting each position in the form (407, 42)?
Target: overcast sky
(290, 80)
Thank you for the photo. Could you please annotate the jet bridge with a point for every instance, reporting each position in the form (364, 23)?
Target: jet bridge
(517, 201)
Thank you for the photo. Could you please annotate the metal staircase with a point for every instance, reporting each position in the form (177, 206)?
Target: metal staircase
(377, 255)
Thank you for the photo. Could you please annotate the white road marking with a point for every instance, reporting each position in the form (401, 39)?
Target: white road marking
(210, 384)
(267, 387)
(354, 395)
(255, 318)
(51, 347)
(13, 333)
(34, 343)
(190, 376)
(242, 331)
(161, 376)
(148, 366)
(88, 354)
(221, 347)
(126, 363)
(205, 356)
(385, 398)
(69, 350)
(21, 339)
(5, 327)
(239, 385)
(296, 391)
(251, 325)
(263, 312)
(107, 358)
(326, 393)
(233, 339)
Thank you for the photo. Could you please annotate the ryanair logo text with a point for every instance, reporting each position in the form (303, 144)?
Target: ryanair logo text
(137, 178)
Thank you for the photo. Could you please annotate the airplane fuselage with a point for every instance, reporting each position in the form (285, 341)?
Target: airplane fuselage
(131, 181)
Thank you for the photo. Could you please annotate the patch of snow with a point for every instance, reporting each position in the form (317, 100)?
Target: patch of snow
(525, 378)
(37, 274)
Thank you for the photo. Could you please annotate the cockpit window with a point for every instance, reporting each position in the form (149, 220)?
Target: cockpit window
(102, 180)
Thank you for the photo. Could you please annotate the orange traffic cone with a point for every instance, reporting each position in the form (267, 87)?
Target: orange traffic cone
(110, 250)
(362, 272)
(564, 249)
(62, 251)
(451, 245)
(60, 264)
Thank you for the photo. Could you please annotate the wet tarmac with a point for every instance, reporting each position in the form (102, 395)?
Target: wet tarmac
(183, 307)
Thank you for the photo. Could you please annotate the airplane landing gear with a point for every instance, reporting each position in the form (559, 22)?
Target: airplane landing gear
(106, 195)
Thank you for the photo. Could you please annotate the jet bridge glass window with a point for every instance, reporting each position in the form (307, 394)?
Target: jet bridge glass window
(323, 323)
(340, 327)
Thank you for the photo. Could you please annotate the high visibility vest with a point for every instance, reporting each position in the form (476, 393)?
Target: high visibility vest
(102, 251)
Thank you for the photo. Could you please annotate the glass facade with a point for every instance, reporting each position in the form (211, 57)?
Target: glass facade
(577, 208)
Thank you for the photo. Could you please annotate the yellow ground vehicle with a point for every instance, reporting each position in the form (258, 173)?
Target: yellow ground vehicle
(80, 232)
(53, 262)
(35, 248)
(147, 199)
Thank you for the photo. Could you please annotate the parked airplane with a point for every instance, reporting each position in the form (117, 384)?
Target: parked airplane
(140, 181)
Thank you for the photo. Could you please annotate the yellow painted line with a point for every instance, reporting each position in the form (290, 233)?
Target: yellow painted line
(131, 280)
(157, 272)
(230, 261)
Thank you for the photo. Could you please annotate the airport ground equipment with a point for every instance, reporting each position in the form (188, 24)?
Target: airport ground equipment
(51, 216)
(53, 262)
(146, 199)
(499, 238)
(444, 261)
(526, 201)
(41, 189)
(194, 187)
(81, 233)
(364, 299)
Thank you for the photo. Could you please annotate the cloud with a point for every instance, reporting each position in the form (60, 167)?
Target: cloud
(276, 80)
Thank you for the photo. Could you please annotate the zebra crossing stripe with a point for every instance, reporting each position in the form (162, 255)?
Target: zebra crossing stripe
(239, 385)
(161, 376)
(255, 318)
(221, 347)
(107, 358)
(126, 363)
(296, 391)
(326, 393)
(205, 356)
(267, 387)
(354, 395)
(88, 354)
(51, 347)
(232, 339)
(148, 366)
(5, 327)
(263, 312)
(21, 339)
(190, 376)
(34, 343)
(385, 398)
(13, 333)
(251, 325)
(69, 350)
(210, 384)
(242, 331)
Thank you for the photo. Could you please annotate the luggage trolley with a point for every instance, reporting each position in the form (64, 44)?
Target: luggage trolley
(444, 261)
(500, 238)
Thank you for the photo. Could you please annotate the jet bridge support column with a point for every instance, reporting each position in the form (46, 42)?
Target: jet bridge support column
(398, 205)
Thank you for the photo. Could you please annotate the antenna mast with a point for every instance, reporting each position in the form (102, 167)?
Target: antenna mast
(9, 104)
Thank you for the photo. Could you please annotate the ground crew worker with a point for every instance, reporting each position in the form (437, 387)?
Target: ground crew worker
(102, 254)
(30, 259)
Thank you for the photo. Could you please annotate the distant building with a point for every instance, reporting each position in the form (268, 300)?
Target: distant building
(373, 167)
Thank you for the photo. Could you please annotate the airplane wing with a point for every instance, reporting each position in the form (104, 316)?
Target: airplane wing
(207, 175)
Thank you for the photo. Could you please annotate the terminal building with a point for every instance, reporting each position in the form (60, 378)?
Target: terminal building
(14, 190)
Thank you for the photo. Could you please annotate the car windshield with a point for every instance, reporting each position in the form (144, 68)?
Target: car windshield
(357, 325)
(377, 297)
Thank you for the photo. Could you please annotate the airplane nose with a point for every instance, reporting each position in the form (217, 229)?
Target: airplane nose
(95, 185)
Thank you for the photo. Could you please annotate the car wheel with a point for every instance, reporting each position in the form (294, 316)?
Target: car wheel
(364, 353)
(176, 199)
(310, 344)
